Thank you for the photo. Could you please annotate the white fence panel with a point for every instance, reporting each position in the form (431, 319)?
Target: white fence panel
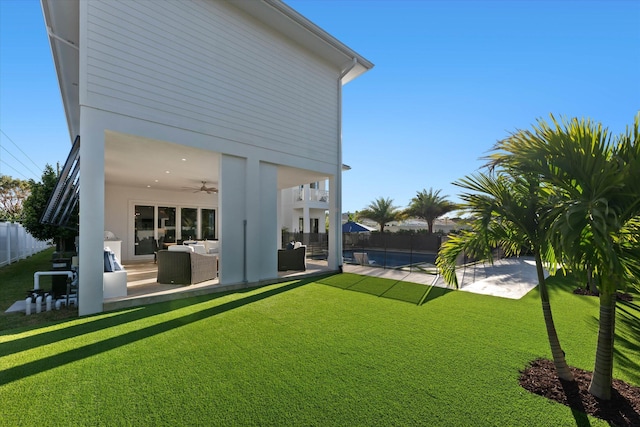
(16, 243)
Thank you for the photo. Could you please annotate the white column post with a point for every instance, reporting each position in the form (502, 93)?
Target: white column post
(266, 245)
(91, 238)
(335, 225)
(233, 219)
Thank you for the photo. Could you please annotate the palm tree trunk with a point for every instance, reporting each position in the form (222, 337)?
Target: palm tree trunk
(559, 361)
(602, 377)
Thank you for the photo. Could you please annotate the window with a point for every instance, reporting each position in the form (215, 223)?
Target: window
(208, 224)
(166, 224)
(189, 223)
(159, 222)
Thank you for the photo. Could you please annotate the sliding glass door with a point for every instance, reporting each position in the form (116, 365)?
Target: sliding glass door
(156, 226)
(143, 230)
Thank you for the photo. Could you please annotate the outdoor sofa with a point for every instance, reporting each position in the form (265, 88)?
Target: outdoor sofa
(292, 259)
(185, 267)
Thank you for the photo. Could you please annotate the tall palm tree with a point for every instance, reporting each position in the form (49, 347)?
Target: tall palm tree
(429, 205)
(381, 211)
(595, 217)
(505, 212)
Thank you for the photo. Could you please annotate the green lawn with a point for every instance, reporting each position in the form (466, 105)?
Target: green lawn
(341, 350)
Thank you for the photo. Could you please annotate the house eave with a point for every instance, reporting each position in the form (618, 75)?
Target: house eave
(62, 23)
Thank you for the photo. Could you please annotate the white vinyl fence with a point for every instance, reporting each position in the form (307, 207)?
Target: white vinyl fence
(16, 243)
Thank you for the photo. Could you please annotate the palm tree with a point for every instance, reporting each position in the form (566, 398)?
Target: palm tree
(381, 211)
(595, 218)
(505, 212)
(429, 205)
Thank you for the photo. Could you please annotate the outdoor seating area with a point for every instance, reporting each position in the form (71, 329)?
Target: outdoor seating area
(181, 264)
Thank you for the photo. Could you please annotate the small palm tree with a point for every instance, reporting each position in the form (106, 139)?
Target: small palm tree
(381, 211)
(429, 205)
(505, 212)
(595, 218)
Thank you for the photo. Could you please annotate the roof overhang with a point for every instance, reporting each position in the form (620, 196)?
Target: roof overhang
(62, 19)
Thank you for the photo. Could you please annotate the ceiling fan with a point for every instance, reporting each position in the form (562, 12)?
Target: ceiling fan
(204, 188)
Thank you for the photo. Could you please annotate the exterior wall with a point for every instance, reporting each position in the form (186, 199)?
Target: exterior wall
(206, 66)
(119, 209)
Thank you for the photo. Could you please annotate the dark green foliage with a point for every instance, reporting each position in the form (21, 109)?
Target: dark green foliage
(34, 207)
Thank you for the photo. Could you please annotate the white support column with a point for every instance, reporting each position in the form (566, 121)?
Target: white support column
(268, 220)
(233, 219)
(91, 256)
(335, 225)
(252, 194)
(279, 214)
(306, 220)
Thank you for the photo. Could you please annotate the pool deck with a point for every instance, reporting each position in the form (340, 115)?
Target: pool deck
(507, 278)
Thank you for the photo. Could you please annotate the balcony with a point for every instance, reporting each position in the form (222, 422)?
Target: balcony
(302, 195)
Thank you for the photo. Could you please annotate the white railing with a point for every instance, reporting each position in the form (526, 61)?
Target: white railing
(16, 243)
(313, 195)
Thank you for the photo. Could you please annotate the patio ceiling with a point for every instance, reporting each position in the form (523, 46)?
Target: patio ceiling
(146, 163)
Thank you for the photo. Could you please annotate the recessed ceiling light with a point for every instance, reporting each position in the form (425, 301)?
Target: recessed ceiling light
(167, 172)
(184, 160)
(148, 186)
(156, 180)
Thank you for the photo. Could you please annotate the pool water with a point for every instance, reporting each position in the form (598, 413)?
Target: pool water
(389, 258)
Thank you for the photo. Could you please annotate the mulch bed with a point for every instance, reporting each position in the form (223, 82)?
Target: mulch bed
(623, 410)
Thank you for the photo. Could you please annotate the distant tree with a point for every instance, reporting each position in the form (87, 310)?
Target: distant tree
(35, 205)
(381, 211)
(429, 205)
(13, 192)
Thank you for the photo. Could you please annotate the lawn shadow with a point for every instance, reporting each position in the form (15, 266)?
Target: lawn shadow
(574, 401)
(628, 335)
(413, 293)
(31, 368)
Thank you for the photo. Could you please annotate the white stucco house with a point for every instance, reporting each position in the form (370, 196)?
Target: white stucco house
(243, 96)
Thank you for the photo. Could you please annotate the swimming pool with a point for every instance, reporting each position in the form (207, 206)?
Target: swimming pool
(390, 258)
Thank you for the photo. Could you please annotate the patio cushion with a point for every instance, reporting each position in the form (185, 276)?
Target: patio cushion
(181, 248)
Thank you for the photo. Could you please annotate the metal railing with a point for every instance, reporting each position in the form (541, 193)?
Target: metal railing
(412, 252)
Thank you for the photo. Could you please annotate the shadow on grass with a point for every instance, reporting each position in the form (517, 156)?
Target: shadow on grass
(413, 293)
(119, 318)
(628, 335)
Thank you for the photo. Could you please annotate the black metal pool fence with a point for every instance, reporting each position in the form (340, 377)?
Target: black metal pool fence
(411, 251)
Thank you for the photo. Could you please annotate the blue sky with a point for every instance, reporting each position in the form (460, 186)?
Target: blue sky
(450, 79)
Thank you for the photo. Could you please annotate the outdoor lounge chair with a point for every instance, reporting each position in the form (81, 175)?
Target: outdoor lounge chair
(362, 258)
(185, 268)
(292, 259)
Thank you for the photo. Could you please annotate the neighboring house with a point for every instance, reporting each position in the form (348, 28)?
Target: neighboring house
(167, 98)
(440, 225)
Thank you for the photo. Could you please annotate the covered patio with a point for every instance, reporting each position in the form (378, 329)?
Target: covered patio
(142, 287)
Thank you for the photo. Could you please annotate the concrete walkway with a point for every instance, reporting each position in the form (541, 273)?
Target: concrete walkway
(507, 278)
